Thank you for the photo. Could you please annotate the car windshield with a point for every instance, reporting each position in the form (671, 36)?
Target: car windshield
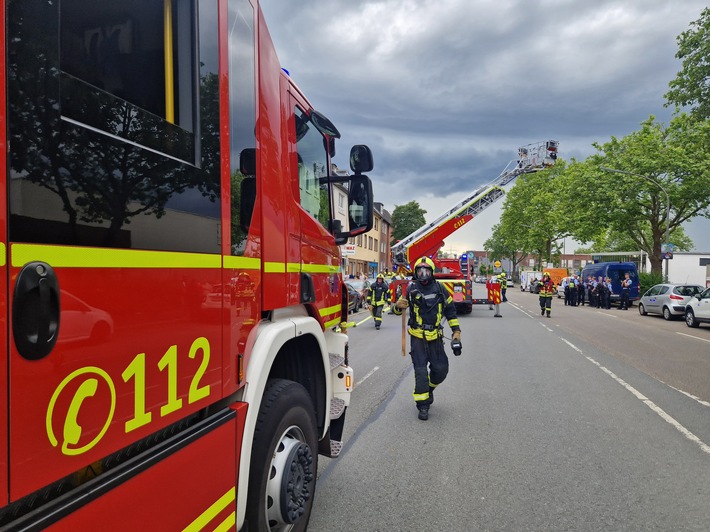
(357, 284)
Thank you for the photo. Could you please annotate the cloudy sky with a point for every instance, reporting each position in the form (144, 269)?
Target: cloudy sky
(445, 91)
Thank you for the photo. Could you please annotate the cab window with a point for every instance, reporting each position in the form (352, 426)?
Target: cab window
(312, 166)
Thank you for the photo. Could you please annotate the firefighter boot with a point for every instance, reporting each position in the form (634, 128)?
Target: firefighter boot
(423, 412)
(548, 313)
(542, 312)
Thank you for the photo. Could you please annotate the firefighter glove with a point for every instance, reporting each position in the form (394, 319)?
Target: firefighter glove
(456, 343)
(401, 303)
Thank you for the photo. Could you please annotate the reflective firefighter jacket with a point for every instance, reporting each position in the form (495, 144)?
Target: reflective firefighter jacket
(428, 304)
(547, 288)
(379, 294)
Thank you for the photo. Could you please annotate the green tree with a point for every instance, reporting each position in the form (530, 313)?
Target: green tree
(533, 219)
(690, 86)
(503, 246)
(675, 157)
(406, 219)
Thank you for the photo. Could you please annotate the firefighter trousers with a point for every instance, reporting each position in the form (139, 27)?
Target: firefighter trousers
(431, 365)
(376, 309)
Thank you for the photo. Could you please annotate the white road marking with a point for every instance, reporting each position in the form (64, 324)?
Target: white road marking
(363, 321)
(607, 314)
(697, 399)
(691, 336)
(653, 406)
(369, 374)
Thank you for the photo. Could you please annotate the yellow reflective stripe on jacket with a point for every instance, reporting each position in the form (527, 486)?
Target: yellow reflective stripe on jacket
(425, 335)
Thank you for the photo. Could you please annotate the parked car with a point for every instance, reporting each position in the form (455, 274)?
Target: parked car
(698, 310)
(355, 300)
(362, 286)
(668, 299)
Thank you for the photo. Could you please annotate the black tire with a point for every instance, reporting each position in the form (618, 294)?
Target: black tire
(642, 310)
(690, 320)
(284, 460)
(667, 314)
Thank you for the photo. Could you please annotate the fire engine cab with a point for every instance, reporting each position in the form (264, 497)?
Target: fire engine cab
(171, 259)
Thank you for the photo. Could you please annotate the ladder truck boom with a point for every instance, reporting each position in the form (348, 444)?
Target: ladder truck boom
(428, 239)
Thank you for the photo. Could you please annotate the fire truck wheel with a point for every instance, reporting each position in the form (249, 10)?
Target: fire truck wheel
(284, 459)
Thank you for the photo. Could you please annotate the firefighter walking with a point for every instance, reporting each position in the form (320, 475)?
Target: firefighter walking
(428, 303)
(547, 290)
(379, 295)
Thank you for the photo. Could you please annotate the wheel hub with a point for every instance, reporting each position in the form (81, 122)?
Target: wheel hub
(291, 482)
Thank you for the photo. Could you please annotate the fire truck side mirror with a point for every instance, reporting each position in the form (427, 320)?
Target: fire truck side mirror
(361, 159)
(360, 205)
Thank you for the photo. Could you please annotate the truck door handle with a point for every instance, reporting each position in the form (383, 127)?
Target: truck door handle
(35, 310)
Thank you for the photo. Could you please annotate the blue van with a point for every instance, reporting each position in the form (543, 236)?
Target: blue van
(616, 272)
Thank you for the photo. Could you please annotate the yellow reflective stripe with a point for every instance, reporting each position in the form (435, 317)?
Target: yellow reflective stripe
(3, 254)
(332, 323)
(335, 309)
(421, 396)
(227, 524)
(241, 263)
(212, 511)
(329, 310)
(274, 267)
(86, 257)
(295, 267)
(320, 268)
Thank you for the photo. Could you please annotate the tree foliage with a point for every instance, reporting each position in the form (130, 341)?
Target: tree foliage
(691, 87)
(532, 221)
(406, 219)
(615, 210)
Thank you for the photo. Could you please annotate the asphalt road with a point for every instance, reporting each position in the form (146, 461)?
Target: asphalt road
(589, 420)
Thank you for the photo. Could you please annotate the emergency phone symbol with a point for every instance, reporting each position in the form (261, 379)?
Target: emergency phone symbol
(84, 394)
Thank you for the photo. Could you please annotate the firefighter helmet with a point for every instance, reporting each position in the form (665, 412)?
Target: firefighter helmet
(424, 270)
(502, 274)
(380, 276)
(546, 274)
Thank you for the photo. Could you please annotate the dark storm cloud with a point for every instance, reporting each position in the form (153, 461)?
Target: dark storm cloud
(445, 91)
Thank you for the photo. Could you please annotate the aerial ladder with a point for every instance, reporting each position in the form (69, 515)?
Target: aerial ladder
(429, 239)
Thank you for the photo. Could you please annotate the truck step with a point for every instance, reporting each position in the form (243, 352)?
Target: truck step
(335, 360)
(337, 407)
(335, 448)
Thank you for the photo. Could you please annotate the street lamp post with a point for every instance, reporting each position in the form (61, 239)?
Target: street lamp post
(668, 203)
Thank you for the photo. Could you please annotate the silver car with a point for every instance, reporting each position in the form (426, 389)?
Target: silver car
(668, 299)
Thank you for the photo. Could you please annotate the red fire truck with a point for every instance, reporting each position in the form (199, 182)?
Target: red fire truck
(173, 285)
(429, 239)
